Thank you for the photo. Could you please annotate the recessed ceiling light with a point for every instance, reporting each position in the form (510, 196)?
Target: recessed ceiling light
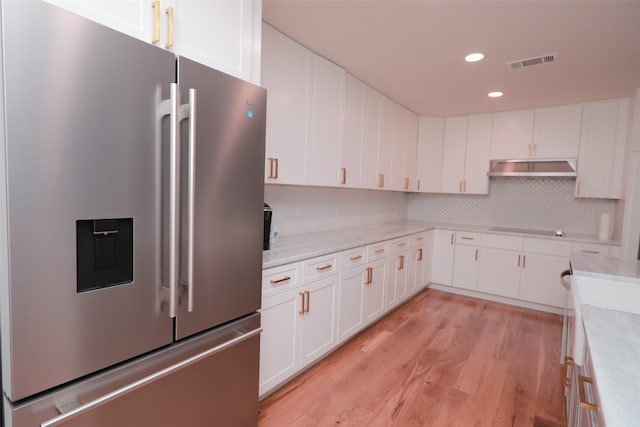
(496, 94)
(474, 57)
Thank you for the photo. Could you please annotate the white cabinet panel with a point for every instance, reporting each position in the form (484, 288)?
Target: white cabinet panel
(476, 164)
(443, 253)
(353, 141)
(374, 291)
(540, 279)
(372, 128)
(286, 74)
(385, 145)
(326, 122)
(499, 272)
(465, 267)
(512, 135)
(397, 279)
(318, 333)
(430, 153)
(556, 133)
(455, 140)
(602, 144)
(351, 311)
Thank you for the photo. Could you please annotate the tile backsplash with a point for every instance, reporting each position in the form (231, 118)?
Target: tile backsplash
(299, 210)
(541, 204)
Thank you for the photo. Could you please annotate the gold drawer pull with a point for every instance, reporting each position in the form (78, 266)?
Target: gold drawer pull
(379, 251)
(400, 244)
(419, 238)
(355, 258)
(343, 175)
(401, 262)
(589, 251)
(169, 43)
(583, 393)
(420, 254)
(452, 238)
(369, 278)
(324, 267)
(156, 21)
(301, 303)
(278, 281)
(566, 381)
(308, 295)
(467, 238)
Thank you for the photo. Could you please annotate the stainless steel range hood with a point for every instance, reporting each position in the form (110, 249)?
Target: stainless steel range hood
(533, 168)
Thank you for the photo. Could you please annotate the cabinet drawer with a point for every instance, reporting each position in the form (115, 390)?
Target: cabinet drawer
(281, 278)
(417, 240)
(502, 242)
(317, 268)
(353, 258)
(547, 247)
(398, 245)
(377, 251)
(590, 249)
(463, 238)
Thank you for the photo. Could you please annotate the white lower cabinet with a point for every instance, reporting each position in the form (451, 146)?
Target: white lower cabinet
(351, 301)
(465, 267)
(443, 254)
(499, 272)
(318, 332)
(397, 277)
(540, 279)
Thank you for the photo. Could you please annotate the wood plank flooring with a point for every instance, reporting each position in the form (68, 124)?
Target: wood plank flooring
(439, 360)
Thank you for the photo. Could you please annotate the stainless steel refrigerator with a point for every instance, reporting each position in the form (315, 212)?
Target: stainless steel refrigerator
(131, 197)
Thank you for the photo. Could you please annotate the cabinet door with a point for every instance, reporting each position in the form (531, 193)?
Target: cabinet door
(477, 154)
(410, 152)
(351, 305)
(417, 261)
(601, 154)
(465, 267)
(385, 145)
(397, 287)
(442, 266)
(318, 333)
(512, 135)
(499, 272)
(278, 341)
(430, 151)
(224, 35)
(428, 255)
(353, 140)
(286, 74)
(556, 133)
(135, 17)
(453, 157)
(374, 297)
(371, 137)
(326, 122)
(540, 279)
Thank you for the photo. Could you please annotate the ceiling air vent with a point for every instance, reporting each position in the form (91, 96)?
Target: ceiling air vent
(528, 62)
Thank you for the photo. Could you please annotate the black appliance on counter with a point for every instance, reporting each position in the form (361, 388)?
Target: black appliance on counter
(268, 213)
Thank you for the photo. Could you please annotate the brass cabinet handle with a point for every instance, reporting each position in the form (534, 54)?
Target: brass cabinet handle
(324, 267)
(156, 21)
(467, 238)
(380, 180)
(301, 303)
(452, 238)
(169, 12)
(277, 168)
(400, 262)
(588, 251)
(476, 255)
(369, 278)
(566, 380)
(406, 183)
(308, 295)
(524, 261)
(582, 381)
(355, 258)
(343, 175)
(400, 244)
(270, 168)
(465, 186)
(518, 261)
(534, 150)
(420, 254)
(420, 238)
(379, 251)
(418, 186)
(278, 281)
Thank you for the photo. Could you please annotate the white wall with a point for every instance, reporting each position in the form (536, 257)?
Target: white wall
(299, 210)
(538, 204)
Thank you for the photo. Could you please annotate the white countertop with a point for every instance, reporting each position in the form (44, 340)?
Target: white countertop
(290, 249)
(609, 292)
(614, 347)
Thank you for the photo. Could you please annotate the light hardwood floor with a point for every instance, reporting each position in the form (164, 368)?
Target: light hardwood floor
(439, 360)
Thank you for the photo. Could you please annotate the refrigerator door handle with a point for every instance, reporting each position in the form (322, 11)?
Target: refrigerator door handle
(192, 192)
(102, 400)
(174, 198)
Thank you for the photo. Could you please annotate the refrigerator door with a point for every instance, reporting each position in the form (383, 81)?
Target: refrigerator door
(208, 380)
(82, 288)
(229, 197)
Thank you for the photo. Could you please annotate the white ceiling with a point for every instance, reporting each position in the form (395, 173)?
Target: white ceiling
(413, 51)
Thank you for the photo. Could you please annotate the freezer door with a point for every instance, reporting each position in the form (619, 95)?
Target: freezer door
(228, 198)
(208, 380)
(81, 211)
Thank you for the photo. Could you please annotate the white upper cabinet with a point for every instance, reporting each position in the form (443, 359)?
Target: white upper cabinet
(556, 133)
(353, 140)
(287, 76)
(465, 160)
(430, 152)
(327, 124)
(602, 144)
(224, 35)
(385, 145)
(405, 140)
(371, 131)
(512, 136)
